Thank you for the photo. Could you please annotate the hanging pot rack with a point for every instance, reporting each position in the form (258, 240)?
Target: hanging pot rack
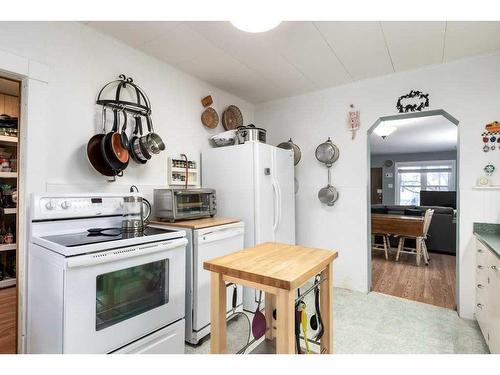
(142, 105)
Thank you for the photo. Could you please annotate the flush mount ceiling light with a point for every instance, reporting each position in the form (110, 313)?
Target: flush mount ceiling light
(255, 25)
(384, 131)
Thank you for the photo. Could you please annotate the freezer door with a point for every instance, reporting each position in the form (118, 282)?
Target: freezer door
(210, 243)
(266, 194)
(229, 170)
(284, 180)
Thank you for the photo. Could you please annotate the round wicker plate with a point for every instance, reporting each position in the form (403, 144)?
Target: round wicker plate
(232, 118)
(210, 118)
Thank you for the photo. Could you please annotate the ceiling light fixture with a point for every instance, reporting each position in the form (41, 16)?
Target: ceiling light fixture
(384, 131)
(255, 25)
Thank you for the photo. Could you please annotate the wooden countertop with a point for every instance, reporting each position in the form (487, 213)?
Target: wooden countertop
(197, 223)
(274, 264)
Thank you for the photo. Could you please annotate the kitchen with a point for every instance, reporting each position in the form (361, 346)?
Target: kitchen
(51, 168)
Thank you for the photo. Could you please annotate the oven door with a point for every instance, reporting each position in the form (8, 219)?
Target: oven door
(114, 297)
(192, 204)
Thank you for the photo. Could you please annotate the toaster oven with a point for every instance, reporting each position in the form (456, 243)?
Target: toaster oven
(183, 204)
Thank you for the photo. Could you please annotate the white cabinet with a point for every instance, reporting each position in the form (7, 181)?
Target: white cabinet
(487, 295)
(494, 301)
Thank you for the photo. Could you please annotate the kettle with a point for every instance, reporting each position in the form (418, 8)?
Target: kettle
(136, 212)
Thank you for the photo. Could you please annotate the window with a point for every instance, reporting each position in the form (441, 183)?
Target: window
(412, 177)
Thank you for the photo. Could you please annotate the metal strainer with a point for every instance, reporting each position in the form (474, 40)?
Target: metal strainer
(328, 195)
(327, 153)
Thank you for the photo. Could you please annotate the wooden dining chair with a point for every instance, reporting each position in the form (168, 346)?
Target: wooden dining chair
(420, 248)
(385, 246)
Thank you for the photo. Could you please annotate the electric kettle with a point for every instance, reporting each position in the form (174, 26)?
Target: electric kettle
(136, 211)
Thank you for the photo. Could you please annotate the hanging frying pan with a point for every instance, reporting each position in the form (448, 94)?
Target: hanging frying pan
(115, 140)
(109, 158)
(292, 146)
(123, 135)
(94, 153)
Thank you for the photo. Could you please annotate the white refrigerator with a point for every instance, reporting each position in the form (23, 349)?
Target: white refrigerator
(255, 183)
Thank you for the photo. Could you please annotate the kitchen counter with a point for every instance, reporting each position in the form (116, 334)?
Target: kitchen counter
(206, 222)
(489, 235)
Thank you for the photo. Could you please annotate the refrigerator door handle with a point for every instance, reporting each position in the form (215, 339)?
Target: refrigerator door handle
(278, 221)
(275, 205)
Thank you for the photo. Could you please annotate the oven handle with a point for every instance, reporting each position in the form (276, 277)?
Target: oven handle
(129, 252)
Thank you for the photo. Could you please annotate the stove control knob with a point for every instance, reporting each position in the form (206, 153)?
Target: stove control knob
(65, 205)
(50, 205)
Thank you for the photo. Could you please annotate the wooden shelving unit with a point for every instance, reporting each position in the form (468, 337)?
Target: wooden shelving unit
(10, 143)
(4, 139)
(7, 247)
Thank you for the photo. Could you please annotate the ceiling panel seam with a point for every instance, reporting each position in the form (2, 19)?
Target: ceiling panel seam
(333, 51)
(262, 76)
(387, 46)
(444, 40)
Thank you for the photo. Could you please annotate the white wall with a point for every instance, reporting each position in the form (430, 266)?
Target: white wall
(80, 62)
(67, 63)
(469, 90)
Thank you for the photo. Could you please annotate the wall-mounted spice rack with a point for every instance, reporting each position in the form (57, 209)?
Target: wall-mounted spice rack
(177, 172)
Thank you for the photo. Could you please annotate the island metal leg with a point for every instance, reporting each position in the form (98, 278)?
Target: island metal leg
(326, 309)
(217, 314)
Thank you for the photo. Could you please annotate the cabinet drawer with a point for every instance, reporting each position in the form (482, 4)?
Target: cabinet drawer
(481, 253)
(481, 275)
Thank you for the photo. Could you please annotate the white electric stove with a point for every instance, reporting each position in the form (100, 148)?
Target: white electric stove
(102, 292)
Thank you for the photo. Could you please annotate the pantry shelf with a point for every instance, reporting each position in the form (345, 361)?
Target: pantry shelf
(10, 211)
(7, 247)
(8, 174)
(5, 139)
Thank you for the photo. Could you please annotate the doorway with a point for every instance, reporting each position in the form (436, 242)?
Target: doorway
(413, 227)
(10, 94)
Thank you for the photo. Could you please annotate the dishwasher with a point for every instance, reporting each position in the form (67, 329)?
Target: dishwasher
(204, 244)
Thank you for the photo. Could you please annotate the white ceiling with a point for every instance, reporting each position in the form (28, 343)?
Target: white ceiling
(298, 57)
(424, 134)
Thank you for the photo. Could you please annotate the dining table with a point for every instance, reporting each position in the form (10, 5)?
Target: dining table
(398, 225)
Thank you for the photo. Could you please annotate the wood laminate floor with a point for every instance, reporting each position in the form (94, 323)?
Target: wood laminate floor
(8, 320)
(433, 284)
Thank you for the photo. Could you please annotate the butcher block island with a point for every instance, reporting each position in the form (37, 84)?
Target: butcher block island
(278, 270)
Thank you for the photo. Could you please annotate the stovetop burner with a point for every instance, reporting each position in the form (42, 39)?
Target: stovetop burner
(86, 238)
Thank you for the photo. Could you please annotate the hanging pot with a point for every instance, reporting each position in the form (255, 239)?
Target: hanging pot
(327, 153)
(250, 133)
(292, 146)
(155, 144)
(135, 147)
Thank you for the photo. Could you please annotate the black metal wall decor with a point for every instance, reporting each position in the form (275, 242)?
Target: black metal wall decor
(414, 101)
